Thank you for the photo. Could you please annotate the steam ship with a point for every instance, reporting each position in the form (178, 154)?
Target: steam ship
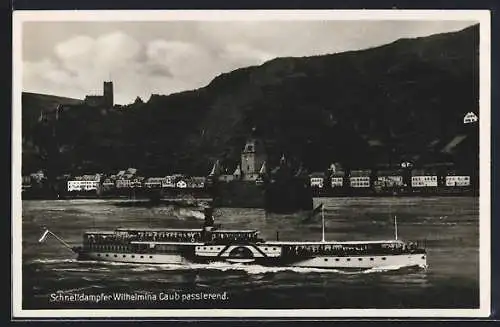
(210, 243)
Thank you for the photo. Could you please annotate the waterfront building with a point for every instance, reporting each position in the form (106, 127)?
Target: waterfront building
(360, 178)
(137, 182)
(84, 183)
(317, 179)
(154, 182)
(196, 182)
(422, 178)
(181, 184)
(168, 181)
(457, 181)
(108, 184)
(390, 178)
(123, 183)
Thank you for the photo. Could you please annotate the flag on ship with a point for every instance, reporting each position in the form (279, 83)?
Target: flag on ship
(44, 236)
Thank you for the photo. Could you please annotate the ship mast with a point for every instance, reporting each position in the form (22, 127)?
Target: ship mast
(395, 228)
(322, 224)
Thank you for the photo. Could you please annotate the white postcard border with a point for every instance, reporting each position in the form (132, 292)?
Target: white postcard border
(481, 16)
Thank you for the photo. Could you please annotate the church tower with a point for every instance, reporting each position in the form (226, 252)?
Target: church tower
(253, 157)
(108, 100)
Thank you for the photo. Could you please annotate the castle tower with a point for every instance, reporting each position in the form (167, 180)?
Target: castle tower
(253, 157)
(108, 100)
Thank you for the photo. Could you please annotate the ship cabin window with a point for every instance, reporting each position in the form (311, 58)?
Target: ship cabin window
(384, 258)
(150, 257)
(360, 259)
(348, 259)
(337, 259)
(371, 259)
(142, 257)
(326, 259)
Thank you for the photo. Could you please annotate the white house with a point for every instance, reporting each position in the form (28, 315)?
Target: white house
(359, 181)
(337, 181)
(123, 183)
(168, 181)
(317, 180)
(424, 181)
(84, 183)
(470, 117)
(457, 180)
(390, 181)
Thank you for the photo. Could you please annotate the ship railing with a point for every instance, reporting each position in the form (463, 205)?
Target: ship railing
(309, 251)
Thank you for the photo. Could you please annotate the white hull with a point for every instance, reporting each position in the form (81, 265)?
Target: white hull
(137, 258)
(325, 262)
(364, 262)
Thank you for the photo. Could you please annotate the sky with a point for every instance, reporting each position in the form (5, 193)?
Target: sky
(73, 59)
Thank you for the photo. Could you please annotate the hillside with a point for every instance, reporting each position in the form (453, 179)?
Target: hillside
(404, 100)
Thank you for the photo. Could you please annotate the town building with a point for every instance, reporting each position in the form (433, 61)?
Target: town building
(317, 179)
(253, 157)
(360, 178)
(136, 182)
(169, 181)
(390, 178)
(37, 177)
(181, 184)
(457, 181)
(337, 176)
(123, 182)
(84, 183)
(422, 178)
(196, 182)
(108, 184)
(153, 182)
(470, 118)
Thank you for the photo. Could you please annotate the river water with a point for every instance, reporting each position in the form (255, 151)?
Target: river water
(52, 278)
